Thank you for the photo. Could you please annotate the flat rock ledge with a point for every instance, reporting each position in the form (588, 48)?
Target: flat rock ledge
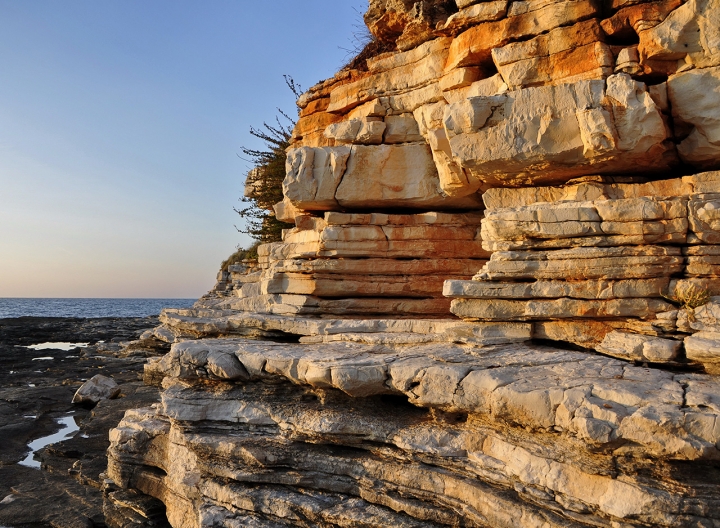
(341, 433)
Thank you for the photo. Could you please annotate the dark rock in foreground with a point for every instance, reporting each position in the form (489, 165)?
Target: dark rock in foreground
(34, 394)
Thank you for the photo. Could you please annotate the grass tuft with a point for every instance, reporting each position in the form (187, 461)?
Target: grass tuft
(690, 297)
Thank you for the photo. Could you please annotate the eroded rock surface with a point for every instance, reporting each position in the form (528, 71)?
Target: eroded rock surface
(498, 305)
(487, 436)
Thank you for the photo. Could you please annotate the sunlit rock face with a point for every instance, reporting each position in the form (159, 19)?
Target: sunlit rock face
(407, 23)
(499, 302)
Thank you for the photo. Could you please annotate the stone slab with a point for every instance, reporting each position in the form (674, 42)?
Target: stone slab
(379, 266)
(545, 386)
(704, 348)
(592, 289)
(595, 127)
(564, 308)
(638, 347)
(420, 286)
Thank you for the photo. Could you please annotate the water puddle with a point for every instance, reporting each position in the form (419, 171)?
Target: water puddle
(60, 345)
(68, 428)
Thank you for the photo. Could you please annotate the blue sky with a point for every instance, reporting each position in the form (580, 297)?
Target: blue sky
(120, 125)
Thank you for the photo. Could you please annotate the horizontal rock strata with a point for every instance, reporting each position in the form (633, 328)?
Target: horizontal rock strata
(498, 434)
(357, 264)
(542, 350)
(588, 91)
(623, 262)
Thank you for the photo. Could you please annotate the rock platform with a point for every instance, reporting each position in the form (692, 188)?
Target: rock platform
(373, 429)
(65, 490)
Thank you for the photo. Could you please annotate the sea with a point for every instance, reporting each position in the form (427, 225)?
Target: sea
(17, 307)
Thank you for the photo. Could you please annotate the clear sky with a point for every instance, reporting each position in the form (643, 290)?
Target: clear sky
(120, 125)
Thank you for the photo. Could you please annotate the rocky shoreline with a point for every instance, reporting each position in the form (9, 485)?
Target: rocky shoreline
(35, 393)
(499, 305)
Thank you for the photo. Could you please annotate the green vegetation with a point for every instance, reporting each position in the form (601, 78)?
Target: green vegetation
(690, 298)
(240, 255)
(263, 185)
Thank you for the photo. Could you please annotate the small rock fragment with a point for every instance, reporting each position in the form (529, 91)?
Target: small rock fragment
(95, 389)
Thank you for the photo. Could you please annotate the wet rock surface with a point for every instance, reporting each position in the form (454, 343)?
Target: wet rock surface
(66, 491)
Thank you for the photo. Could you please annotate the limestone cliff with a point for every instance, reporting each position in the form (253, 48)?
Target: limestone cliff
(500, 302)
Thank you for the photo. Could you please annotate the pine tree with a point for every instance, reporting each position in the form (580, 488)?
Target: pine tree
(263, 185)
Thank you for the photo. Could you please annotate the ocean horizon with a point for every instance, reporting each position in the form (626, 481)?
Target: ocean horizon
(90, 307)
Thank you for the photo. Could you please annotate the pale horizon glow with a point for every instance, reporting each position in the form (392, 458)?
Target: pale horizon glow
(100, 299)
(120, 125)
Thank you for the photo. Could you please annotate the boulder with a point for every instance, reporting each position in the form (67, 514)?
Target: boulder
(704, 218)
(394, 176)
(690, 33)
(555, 133)
(695, 97)
(639, 17)
(312, 176)
(704, 348)
(96, 389)
(401, 129)
(285, 211)
(639, 347)
(405, 23)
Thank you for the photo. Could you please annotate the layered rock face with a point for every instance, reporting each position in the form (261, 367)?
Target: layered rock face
(357, 264)
(500, 302)
(598, 264)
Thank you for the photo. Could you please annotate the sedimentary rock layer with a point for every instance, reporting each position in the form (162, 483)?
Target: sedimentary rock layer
(367, 398)
(492, 436)
(357, 264)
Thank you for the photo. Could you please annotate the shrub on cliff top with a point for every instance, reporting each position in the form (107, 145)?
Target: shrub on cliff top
(240, 255)
(363, 45)
(263, 183)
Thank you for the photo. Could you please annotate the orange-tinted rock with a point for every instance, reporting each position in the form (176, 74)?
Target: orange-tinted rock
(309, 129)
(395, 75)
(405, 23)
(690, 33)
(563, 55)
(630, 21)
(317, 105)
(475, 14)
(593, 61)
(474, 46)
